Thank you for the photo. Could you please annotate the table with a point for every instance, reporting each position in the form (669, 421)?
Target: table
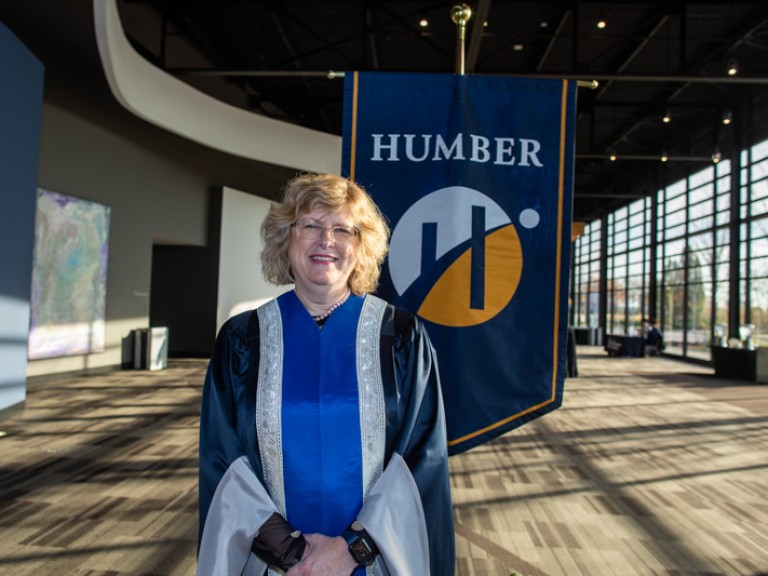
(750, 364)
(621, 345)
(588, 335)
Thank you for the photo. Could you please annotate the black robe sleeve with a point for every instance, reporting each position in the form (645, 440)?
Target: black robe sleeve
(421, 437)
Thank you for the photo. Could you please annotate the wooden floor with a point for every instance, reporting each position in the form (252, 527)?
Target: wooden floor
(651, 467)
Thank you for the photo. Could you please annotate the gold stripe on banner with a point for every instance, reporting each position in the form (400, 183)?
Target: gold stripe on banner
(558, 270)
(560, 186)
(353, 137)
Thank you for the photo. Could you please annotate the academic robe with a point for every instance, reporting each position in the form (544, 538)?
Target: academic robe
(325, 425)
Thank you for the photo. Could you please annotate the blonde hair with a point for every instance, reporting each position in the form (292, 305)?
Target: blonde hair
(332, 193)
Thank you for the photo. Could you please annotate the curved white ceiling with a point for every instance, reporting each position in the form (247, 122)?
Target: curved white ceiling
(161, 99)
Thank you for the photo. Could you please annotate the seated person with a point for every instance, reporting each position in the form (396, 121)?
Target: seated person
(653, 337)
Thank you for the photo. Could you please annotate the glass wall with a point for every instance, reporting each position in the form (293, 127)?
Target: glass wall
(586, 296)
(753, 253)
(671, 261)
(690, 254)
(627, 266)
(693, 259)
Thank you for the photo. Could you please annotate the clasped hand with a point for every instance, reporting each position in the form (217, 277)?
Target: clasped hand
(324, 556)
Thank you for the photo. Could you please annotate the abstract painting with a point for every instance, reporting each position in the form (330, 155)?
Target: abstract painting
(69, 276)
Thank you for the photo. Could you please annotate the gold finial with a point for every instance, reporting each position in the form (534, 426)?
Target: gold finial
(461, 15)
(591, 84)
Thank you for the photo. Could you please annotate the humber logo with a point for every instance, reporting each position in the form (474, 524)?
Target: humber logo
(455, 256)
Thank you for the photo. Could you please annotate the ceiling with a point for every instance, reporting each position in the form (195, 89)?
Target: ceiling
(651, 58)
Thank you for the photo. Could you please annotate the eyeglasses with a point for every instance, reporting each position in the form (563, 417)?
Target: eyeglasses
(313, 231)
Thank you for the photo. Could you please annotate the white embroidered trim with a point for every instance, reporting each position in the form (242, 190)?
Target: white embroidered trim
(373, 412)
(268, 398)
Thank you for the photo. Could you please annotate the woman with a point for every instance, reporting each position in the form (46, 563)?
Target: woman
(322, 434)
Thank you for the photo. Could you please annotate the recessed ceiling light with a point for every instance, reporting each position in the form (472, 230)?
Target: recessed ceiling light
(543, 24)
(518, 47)
(423, 22)
(602, 24)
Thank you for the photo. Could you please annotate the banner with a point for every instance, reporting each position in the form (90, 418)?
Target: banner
(475, 175)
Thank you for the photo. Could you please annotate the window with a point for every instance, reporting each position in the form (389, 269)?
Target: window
(692, 259)
(585, 307)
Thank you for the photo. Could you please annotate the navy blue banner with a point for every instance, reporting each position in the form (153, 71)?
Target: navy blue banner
(475, 175)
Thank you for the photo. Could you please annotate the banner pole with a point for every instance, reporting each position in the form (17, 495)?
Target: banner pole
(460, 15)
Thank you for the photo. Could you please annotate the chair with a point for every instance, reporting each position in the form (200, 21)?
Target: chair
(612, 346)
(654, 349)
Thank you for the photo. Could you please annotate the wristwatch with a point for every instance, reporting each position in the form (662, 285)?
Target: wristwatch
(361, 546)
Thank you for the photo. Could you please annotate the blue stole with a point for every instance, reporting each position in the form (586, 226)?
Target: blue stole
(322, 453)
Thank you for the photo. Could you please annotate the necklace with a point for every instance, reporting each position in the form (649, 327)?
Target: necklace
(327, 313)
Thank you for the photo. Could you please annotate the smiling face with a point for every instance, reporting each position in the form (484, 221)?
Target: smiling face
(322, 266)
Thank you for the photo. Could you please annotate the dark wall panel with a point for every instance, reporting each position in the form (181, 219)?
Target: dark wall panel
(184, 291)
